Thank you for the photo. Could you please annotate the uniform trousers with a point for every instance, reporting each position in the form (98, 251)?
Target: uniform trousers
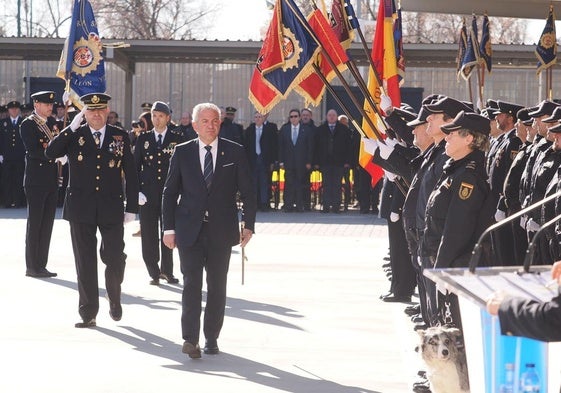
(41, 210)
(413, 236)
(152, 240)
(215, 260)
(84, 244)
(12, 182)
(403, 275)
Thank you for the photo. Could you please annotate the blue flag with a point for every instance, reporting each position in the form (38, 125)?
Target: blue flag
(546, 50)
(81, 62)
(485, 50)
(471, 57)
(461, 47)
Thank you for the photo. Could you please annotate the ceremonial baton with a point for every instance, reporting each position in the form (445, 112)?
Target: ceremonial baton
(244, 258)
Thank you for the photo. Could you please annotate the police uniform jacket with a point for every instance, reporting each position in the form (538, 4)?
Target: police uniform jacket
(11, 145)
(531, 318)
(493, 147)
(400, 127)
(510, 201)
(501, 161)
(544, 169)
(540, 144)
(453, 212)
(152, 163)
(232, 131)
(95, 192)
(40, 171)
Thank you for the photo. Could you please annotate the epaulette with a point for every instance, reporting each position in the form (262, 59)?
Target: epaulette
(471, 165)
(176, 131)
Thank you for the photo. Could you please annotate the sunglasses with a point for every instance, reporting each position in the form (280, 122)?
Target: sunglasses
(291, 116)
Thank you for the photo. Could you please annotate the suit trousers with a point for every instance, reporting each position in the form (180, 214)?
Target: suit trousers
(41, 210)
(84, 244)
(331, 177)
(152, 240)
(262, 179)
(215, 260)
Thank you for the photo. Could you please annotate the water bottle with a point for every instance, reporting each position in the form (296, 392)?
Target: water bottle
(508, 385)
(529, 380)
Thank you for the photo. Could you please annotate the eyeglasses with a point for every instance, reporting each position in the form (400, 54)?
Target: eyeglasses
(291, 116)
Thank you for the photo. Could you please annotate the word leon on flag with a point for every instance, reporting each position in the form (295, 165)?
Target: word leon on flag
(285, 58)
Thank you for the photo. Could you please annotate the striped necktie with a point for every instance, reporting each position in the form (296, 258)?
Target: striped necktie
(207, 173)
(97, 136)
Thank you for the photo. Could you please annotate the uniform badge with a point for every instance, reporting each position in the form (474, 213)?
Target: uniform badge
(465, 191)
(81, 141)
(146, 145)
(45, 144)
(80, 157)
(111, 163)
(513, 154)
(151, 157)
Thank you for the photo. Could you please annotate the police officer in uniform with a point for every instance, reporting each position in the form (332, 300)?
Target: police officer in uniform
(12, 157)
(229, 129)
(151, 155)
(40, 184)
(100, 160)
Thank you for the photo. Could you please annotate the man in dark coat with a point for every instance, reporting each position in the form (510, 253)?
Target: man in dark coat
(200, 215)
(12, 157)
(100, 160)
(151, 155)
(40, 184)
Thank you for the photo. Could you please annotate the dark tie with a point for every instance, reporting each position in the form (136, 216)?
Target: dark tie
(332, 128)
(294, 135)
(207, 173)
(159, 143)
(97, 136)
(14, 123)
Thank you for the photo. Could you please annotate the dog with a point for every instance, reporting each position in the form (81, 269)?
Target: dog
(442, 350)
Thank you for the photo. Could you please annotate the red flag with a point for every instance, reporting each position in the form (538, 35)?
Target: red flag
(312, 88)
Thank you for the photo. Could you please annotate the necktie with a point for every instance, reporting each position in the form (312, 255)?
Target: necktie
(294, 135)
(14, 123)
(258, 140)
(97, 136)
(207, 173)
(331, 128)
(159, 143)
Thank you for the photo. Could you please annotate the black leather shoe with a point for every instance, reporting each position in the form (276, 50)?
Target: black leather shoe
(115, 311)
(192, 350)
(211, 347)
(420, 326)
(386, 295)
(85, 324)
(169, 278)
(412, 310)
(155, 281)
(43, 273)
(397, 299)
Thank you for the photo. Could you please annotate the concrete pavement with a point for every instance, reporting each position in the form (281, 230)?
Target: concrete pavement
(308, 318)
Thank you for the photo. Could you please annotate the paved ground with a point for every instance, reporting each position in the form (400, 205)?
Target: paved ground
(308, 318)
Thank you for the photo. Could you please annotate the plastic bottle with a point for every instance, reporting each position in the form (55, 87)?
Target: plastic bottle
(508, 385)
(529, 380)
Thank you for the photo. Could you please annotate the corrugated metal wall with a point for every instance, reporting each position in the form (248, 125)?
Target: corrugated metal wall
(184, 85)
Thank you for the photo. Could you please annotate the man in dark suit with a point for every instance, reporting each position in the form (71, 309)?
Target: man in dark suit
(151, 155)
(12, 157)
(100, 160)
(261, 146)
(200, 217)
(40, 184)
(296, 146)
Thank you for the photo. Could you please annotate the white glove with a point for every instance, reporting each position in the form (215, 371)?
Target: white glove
(394, 217)
(78, 119)
(390, 176)
(523, 220)
(63, 160)
(532, 226)
(66, 98)
(370, 145)
(499, 215)
(391, 142)
(141, 199)
(1, 159)
(386, 104)
(385, 150)
(129, 217)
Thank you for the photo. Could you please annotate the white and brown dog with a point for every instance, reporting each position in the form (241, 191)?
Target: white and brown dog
(442, 350)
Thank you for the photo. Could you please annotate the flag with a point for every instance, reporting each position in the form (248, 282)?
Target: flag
(398, 38)
(81, 62)
(471, 57)
(285, 58)
(546, 50)
(485, 50)
(312, 88)
(384, 59)
(461, 47)
(341, 23)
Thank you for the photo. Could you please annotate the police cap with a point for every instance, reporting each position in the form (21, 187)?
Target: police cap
(13, 104)
(406, 115)
(524, 117)
(555, 116)
(46, 97)
(230, 110)
(95, 100)
(421, 117)
(555, 129)
(146, 106)
(449, 106)
(469, 121)
(508, 107)
(544, 108)
(160, 106)
(432, 98)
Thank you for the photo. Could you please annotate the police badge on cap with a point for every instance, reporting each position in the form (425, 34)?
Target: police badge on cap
(46, 97)
(95, 100)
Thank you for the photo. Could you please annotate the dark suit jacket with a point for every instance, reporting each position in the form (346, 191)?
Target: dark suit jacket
(295, 156)
(95, 188)
(530, 318)
(268, 143)
(152, 163)
(186, 198)
(40, 171)
(333, 149)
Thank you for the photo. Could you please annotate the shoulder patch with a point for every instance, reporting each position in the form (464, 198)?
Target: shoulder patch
(465, 190)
